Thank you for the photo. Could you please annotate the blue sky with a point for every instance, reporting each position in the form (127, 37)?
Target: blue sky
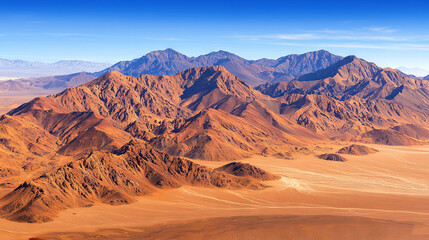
(389, 33)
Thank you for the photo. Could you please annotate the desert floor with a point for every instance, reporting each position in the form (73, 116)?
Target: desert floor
(11, 100)
(379, 196)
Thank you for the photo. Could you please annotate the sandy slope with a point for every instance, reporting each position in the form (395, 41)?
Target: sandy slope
(383, 195)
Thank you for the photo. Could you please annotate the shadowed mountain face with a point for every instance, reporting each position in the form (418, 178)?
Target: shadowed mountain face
(169, 62)
(426, 78)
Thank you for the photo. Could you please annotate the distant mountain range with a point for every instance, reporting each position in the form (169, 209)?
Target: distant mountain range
(253, 72)
(24, 69)
(426, 78)
(170, 62)
(55, 83)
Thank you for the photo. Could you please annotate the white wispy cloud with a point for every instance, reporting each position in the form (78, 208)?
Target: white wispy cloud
(380, 29)
(366, 38)
(332, 31)
(419, 47)
(315, 36)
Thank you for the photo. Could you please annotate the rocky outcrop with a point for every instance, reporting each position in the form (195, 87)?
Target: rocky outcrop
(356, 149)
(332, 157)
(246, 170)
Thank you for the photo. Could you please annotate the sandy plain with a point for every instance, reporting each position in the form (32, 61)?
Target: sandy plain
(384, 195)
(10, 100)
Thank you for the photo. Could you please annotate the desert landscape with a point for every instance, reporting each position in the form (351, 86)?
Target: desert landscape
(275, 120)
(164, 157)
(382, 195)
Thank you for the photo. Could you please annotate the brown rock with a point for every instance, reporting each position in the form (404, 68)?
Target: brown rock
(332, 157)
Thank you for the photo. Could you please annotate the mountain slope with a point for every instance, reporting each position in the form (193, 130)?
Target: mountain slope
(216, 135)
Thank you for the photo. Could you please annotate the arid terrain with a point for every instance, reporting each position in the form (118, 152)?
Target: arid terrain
(217, 120)
(382, 195)
(340, 153)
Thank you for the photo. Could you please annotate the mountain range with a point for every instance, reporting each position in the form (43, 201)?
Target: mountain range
(24, 69)
(121, 136)
(170, 62)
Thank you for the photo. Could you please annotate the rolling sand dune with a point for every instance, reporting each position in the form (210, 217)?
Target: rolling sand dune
(383, 195)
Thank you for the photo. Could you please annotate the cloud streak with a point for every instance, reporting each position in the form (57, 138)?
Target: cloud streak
(315, 36)
(380, 29)
(419, 47)
(383, 38)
